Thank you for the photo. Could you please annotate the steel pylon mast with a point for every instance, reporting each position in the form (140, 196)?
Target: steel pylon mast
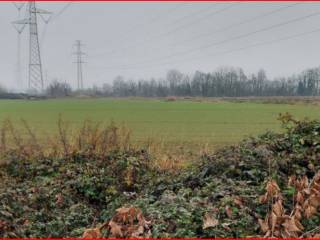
(35, 66)
(79, 62)
(35, 78)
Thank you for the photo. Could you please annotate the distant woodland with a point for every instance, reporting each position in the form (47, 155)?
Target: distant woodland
(223, 82)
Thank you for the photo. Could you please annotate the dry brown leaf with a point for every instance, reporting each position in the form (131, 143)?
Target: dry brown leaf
(264, 198)
(263, 225)
(304, 182)
(316, 185)
(136, 233)
(290, 225)
(115, 229)
(292, 181)
(92, 233)
(299, 198)
(273, 221)
(238, 201)
(126, 214)
(314, 200)
(209, 221)
(309, 211)
(297, 214)
(272, 188)
(306, 191)
(268, 234)
(277, 233)
(307, 201)
(285, 234)
(228, 211)
(298, 223)
(277, 208)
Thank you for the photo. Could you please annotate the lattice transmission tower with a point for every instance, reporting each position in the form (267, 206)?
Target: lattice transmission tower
(35, 76)
(79, 61)
(19, 6)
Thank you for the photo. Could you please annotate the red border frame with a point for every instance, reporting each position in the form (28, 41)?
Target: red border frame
(163, 1)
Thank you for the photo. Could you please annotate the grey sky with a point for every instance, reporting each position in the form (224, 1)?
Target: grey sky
(142, 39)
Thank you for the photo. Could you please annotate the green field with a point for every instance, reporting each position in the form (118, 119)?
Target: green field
(216, 123)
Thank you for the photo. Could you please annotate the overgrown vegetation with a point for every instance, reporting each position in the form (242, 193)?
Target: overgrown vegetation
(94, 183)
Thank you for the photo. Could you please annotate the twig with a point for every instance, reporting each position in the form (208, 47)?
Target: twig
(311, 231)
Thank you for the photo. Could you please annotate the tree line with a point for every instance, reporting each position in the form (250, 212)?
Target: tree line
(223, 82)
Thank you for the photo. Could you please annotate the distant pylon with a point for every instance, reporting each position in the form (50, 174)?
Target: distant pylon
(79, 63)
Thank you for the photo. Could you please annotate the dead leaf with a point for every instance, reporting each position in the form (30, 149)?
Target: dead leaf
(314, 200)
(272, 188)
(209, 221)
(115, 230)
(263, 199)
(300, 198)
(290, 225)
(228, 211)
(238, 201)
(263, 225)
(126, 215)
(309, 211)
(304, 182)
(138, 232)
(277, 208)
(92, 233)
(292, 181)
(273, 221)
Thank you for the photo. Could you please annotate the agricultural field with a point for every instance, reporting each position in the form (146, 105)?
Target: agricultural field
(185, 122)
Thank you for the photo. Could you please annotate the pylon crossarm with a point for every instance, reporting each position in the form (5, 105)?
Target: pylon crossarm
(46, 20)
(19, 25)
(18, 5)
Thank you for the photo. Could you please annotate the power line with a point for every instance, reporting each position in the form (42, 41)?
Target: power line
(152, 20)
(250, 20)
(63, 9)
(181, 53)
(161, 35)
(52, 18)
(256, 44)
(263, 43)
(158, 17)
(202, 17)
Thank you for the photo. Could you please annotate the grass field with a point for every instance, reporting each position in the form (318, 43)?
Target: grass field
(195, 123)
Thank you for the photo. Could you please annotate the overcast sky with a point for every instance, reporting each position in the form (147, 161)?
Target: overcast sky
(141, 39)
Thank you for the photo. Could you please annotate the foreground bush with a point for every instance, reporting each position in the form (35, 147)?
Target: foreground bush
(81, 187)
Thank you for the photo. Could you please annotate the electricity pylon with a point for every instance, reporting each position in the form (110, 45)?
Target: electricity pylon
(35, 78)
(79, 63)
(19, 7)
